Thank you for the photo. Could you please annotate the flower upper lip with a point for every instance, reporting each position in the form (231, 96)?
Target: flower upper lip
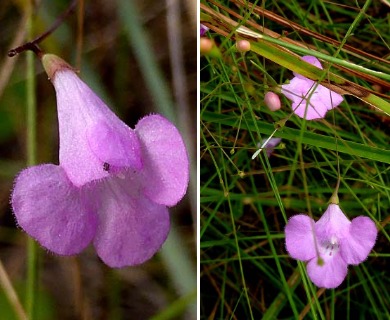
(90, 133)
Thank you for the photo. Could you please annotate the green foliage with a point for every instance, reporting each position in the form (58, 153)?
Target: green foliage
(45, 310)
(245, 204)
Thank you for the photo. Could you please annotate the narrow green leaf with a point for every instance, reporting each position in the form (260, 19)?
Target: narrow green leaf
(309, 138)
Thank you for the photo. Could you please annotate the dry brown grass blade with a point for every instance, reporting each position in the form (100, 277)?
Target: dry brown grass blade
(225, 26)
(298, 28)
(9, 291)
(9, 64)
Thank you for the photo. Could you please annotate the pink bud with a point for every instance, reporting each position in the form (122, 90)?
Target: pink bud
(272, 101)
(243, 45)
(206, 45)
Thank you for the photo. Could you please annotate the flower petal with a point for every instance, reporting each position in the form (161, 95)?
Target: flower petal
(117, 145)
(333, 223)
(314, 110)
(327, 98)
(362, 236)
(90, 133)
(297, 89)
(131, 227)
(312, 60)
(330, 274)
(203, 30)
(300, 238)
(165, 160)
(51, 210)
(301, 88)
(270, 146)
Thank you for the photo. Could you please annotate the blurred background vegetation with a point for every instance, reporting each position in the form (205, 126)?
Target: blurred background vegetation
(112, 44)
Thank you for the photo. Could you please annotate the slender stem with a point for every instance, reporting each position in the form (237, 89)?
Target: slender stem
(173, 253)
(177, 307)
(9, 291)
(143, 51)
(178, 264)
(326, 57)
(80, 33)
(180, 91)
(31, 160)
(33, 44)
(335, 198)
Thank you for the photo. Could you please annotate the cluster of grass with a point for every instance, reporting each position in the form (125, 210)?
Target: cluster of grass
(245, 204)
(125, 53)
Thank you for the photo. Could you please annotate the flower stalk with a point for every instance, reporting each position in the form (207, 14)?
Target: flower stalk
(31, 113)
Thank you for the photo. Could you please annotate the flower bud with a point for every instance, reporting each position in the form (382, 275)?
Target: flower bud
(206, 45)
(272, 101)
(243, 45)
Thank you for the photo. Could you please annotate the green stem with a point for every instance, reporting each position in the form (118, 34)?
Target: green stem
(326, 57)
(174, 253)
(177, 307)
(10, 293)
(154, 79)
(31, 160)
(178, 264)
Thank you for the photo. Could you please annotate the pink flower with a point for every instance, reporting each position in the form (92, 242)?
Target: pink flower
(112, 185)
(203, 30)
(340, 242)
(300, 89)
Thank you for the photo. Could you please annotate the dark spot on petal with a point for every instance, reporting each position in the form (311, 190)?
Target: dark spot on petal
(106, 166)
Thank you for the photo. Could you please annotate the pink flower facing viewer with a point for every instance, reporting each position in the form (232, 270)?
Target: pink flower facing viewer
(300, 89)
(113, 184)
(340, 242)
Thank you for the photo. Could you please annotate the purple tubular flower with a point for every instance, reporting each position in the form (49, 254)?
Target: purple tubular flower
(203, 30)
(270, 146)
(113, 184)
(300, 89)
(340, 242)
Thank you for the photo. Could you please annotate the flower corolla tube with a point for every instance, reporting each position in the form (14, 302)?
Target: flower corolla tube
(309, 99)
(330, 244)
(113, 184)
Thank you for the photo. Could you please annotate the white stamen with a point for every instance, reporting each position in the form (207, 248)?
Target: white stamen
(121, 175)
(331, 247)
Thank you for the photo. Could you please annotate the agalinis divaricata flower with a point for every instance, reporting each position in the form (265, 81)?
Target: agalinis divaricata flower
(113, 184)
(309, 99)
(337, 240)
(203, 30)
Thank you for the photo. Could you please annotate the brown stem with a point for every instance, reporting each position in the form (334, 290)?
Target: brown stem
(33, 45)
